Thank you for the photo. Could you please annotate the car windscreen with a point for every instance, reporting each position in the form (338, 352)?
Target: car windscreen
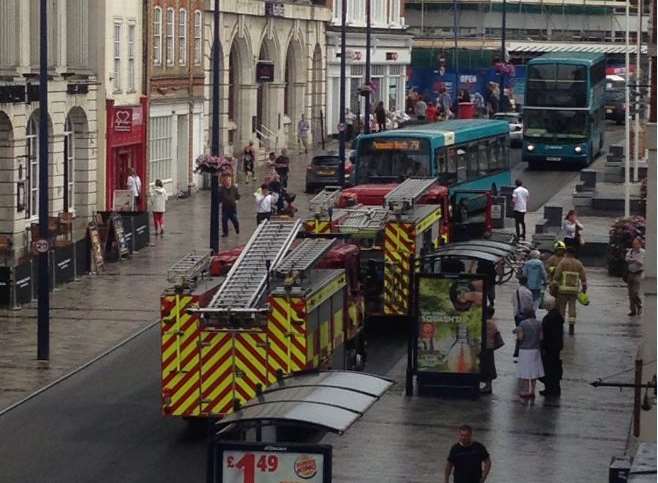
(392, 159)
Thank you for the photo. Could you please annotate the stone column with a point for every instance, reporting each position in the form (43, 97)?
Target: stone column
(275, 108)
(246, 112)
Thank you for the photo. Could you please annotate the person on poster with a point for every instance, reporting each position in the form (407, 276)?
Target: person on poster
(134, 185)
(469, 459)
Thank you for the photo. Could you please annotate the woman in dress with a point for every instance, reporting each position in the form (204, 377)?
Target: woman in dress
(572, 229)
(530, 368)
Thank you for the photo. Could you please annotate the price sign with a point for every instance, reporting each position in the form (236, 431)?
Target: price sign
(271, 463)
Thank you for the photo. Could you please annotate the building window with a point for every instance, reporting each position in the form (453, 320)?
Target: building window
(198, 37)
(116, 69)
(157, 36)
(394, 12)
(182, 36)
(32, 174)
(131, 57)
(69, 164)
(160, 148)
(170, 36)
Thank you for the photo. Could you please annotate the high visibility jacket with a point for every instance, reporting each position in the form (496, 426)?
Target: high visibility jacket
(570, 276)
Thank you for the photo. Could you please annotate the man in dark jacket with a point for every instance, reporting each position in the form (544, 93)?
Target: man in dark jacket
(228, 198)
(551, 345)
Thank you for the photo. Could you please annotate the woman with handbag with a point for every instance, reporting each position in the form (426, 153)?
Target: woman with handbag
(487, 361)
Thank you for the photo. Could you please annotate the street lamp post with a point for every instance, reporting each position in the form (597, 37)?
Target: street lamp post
(455, 28)
(638, 78)
(366, 98)
(503, 57)
(214, 147)
(342, 128)
(43, 310)
(627, 124)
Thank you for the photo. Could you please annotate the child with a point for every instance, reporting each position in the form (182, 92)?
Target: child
(158, 204)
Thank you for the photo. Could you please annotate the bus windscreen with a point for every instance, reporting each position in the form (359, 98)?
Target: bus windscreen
(558, 85)
(549, 125)
(392, 159)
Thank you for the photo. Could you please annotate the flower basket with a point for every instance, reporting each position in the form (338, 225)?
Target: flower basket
(213, 165)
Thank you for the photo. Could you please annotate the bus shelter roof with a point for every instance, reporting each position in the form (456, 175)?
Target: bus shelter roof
(328, 400)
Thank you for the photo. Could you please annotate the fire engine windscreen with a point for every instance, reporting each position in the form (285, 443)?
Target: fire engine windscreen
(392, 159)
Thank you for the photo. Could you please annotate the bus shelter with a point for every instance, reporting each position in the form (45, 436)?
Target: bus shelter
(322, 401)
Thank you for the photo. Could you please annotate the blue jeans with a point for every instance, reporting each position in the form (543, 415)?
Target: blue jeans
(230, 214)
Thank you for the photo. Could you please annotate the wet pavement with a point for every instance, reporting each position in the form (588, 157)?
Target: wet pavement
(110, 412)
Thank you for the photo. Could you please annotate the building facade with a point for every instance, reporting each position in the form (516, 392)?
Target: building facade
(289, 40)
(389, 57)
(175, 85)
(72, 99)
(122, 110)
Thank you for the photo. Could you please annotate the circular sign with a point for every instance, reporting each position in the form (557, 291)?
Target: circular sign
(341, 126)
(41, 246)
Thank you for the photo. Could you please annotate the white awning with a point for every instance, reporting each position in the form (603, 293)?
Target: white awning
(605, 48)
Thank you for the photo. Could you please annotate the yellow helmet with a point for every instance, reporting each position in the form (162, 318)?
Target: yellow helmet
(559, 245)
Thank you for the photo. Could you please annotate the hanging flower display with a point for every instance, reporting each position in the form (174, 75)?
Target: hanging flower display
(206, 163)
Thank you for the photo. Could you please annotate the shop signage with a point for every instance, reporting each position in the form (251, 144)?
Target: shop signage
(123, 120)
(274, 9)
(391, 56)
(273, 463)
(77, 88)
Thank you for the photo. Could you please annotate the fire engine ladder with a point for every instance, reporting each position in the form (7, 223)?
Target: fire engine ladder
(304, 255)
(326, 199)
(407, 193)
(241, 292)
(363, 219)
(186, 272)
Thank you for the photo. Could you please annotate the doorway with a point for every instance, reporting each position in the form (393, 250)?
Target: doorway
(182, 154)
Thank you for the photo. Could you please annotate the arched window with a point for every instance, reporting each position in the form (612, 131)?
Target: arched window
(157, 36)
(198, 37)
(182, 36)
(170, 36)
(32, 169)
(69, 165)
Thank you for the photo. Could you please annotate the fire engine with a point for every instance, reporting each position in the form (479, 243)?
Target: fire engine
(286, 304)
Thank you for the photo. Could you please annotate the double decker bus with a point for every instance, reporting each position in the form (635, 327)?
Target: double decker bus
(464, 154)
(564, 110)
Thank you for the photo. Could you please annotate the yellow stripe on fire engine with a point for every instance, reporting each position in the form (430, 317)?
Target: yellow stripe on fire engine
(283, 338)
(325, 292)
(178, 308)
(428, 221)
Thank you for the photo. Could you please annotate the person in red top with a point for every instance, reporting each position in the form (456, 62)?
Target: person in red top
(432, 113)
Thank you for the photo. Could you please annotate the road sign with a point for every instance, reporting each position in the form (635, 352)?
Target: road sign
(41, 246)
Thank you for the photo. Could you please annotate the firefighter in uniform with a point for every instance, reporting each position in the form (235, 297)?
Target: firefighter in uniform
(554, 260)
(569, 279)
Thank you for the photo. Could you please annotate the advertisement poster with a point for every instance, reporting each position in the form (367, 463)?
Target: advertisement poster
(450, 325)
(268, 463)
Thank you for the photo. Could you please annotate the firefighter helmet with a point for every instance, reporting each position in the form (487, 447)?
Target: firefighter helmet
(559, 245)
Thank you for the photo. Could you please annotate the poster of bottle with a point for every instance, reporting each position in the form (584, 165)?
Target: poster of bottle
(450, 318)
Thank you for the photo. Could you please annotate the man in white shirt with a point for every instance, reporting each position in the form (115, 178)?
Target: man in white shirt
(303, 128)
(134, 185)
(520, 204)
(263, 204)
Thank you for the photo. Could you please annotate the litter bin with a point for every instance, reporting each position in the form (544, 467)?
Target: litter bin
(620, 467)
(466, 110)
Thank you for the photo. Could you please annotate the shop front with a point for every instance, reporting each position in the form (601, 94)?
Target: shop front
(126, 149)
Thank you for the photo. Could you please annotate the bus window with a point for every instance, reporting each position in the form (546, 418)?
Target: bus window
(504, 162)
(494, 160)
(447, 166)
(472, 161)
(483, 157)
(461, 165)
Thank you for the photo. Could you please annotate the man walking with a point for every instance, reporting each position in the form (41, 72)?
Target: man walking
(228, 198)
(520, 203)
(134, 185)
(303, 128)
(635, 261)
(469, 459)
(282, 167)
(551, 346)
(570, 279)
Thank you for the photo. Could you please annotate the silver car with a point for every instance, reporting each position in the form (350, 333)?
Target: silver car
(515, 127)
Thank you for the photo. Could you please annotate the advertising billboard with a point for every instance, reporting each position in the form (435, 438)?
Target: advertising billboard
(450, 324)
(273, 463)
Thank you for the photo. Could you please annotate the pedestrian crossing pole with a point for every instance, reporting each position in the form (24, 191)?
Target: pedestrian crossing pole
(42, 245)
(214, 148)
